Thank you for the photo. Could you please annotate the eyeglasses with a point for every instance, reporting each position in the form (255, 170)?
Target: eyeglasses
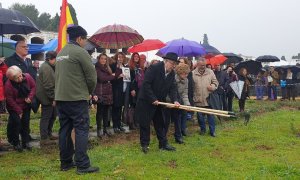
(25, 47)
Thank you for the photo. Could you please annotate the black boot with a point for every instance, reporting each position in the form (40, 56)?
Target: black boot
(105, 132)
(98, 121)
(116, 130)
(99, 133)
(121, 129)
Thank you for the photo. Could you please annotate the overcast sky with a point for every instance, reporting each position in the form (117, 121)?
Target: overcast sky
(249, 27)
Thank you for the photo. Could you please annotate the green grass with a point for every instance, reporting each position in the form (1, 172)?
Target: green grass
(268, 148)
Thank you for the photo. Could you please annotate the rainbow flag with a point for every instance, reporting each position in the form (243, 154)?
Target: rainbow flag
(65, 21)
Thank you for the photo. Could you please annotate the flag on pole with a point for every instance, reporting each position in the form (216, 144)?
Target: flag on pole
(65, 21)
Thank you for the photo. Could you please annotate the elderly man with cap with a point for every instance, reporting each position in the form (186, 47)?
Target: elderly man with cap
(75, 80)
(158, 83)
(45, 93)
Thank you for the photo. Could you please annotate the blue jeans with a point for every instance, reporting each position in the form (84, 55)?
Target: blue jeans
(211, 122)
(74, 114)
(271, 89)
(259, 91)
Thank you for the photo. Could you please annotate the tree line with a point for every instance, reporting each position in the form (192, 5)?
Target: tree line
(44, 21)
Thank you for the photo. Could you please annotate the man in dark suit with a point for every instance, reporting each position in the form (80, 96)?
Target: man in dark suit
(158, 83)
(19, 58)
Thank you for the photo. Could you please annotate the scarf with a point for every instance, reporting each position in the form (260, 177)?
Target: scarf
(22, 88)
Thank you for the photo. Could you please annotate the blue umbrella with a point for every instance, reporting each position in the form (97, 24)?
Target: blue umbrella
(183, 48)
(33, 48)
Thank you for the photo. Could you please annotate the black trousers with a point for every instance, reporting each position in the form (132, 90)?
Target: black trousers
(229, 99)
(159, 126)
(18, 126)
(102, 116)
(224, 102)
(116, 116)
(173, 115)
(74, 114)
(291, 92)
(242, 103)
(47, 121)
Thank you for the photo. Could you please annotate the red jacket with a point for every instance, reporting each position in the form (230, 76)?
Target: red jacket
(13, 103)
(3, 68)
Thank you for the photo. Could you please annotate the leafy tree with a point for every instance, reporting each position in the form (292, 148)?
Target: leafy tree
(28, 10)
(54, 23)
(73, 14)
(44, 21)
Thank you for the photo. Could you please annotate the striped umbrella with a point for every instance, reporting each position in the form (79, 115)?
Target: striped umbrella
(116, 36)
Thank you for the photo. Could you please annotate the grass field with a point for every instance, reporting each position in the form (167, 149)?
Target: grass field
(267, 148)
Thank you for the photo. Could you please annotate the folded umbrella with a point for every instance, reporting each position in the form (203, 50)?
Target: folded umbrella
(237, 87)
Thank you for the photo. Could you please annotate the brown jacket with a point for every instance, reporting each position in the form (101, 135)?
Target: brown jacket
(201, 82)
(275, 77)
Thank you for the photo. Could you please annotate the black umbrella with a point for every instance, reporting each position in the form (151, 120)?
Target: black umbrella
(210, 49)
(294, 69)
(232, 58)
(13, 22)
(267, 58)
(253, 67)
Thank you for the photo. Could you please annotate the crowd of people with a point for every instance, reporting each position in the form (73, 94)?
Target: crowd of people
(68, 83)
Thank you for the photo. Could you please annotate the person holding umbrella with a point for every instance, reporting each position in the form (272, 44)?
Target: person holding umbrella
(244, 76)
(158, 83)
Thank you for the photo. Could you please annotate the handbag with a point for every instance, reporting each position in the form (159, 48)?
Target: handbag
(129, 116)
(35, 104)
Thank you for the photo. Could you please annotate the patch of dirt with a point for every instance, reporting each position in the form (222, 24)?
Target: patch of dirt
(217, 153)
(263, 147)
(123, 138)
(172, 164)
(289, 108)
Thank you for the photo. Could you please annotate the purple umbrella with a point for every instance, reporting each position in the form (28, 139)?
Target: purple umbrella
(183, 48)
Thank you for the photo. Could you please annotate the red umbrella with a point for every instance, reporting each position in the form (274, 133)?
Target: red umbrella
(116, 36)
(218, 59)
(147, 45)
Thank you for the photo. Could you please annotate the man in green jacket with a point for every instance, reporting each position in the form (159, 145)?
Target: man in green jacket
(45, 82)
(75, 80)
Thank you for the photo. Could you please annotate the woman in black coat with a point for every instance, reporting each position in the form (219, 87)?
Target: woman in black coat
(118, 88)
(103, 93)
(137, 71)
